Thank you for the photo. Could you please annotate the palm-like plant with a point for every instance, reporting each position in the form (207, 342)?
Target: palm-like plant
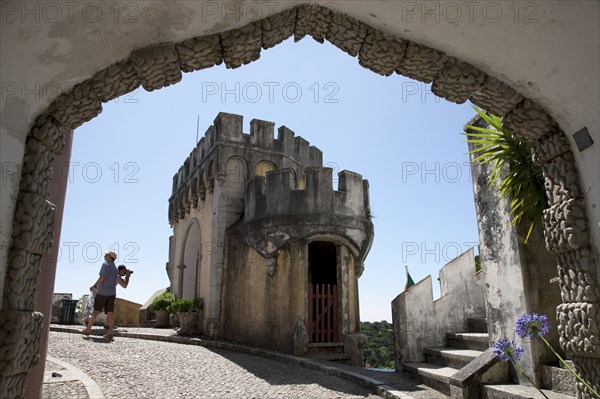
(513, 175)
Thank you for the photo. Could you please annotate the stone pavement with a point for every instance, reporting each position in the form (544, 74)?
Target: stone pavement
(140, 364)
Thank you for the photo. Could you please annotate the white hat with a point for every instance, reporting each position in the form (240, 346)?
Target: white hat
(111, 254)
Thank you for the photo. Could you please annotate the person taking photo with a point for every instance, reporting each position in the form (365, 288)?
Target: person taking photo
(106, 292)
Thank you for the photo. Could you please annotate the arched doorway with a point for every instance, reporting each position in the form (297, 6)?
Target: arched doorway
(566, 222)
(190, 262)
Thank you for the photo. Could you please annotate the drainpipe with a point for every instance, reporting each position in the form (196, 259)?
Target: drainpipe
(43, 302)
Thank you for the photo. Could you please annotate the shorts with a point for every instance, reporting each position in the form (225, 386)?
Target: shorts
(104, 302)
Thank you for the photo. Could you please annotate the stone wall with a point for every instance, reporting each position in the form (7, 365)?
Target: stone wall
(546, 119)
(517, 275)
(264, 309)
(211, 161)
(420, 322)
(276, 209)
(127, 313)
(258, 308)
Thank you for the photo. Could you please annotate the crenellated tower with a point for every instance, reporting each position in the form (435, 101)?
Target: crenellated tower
(259, 232)
(278, 209)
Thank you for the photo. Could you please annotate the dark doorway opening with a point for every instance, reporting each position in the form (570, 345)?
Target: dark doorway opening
(322, 263)
(323, 295)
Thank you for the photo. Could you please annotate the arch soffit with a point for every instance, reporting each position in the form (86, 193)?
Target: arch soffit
(160, 65)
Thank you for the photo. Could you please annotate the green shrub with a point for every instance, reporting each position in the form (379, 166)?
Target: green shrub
(185, 305)
(162, 301)
(513, 175)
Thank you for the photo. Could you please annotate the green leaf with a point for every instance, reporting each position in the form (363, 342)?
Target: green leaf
(513, 174)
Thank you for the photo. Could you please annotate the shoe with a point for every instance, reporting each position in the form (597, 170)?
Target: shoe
(85, 331)
(109, 337)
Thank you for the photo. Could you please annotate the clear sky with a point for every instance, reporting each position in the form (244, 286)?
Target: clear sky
(391, 130)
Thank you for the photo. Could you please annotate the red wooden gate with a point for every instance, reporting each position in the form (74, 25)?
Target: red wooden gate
(323, 319)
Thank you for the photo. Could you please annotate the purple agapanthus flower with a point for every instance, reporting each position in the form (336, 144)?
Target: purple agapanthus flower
(532, 324)
(507, 349)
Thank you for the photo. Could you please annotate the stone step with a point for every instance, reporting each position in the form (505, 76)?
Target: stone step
(432, 375)
(330, 356)
(474, 341)
(559, 379)
(450, 357)
(477, 325)
(315, 348)
(514, 391)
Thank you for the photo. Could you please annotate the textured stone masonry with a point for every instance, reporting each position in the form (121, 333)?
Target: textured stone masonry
(157, 66)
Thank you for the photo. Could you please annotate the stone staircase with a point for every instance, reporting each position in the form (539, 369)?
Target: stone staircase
(513, 391)
(443, 363)
(332, 351)
(461, 348)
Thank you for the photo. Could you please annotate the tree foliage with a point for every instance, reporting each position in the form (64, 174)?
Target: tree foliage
(379, 351)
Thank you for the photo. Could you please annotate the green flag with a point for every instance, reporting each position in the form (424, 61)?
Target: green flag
(409, 280)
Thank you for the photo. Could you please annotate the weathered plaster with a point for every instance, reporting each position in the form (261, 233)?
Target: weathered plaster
(567, 225)
(420, 322)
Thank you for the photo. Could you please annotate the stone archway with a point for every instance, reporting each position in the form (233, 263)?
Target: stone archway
(565, 222)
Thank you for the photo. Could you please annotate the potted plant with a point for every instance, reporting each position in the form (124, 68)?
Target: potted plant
(187, 311)
(159, 306)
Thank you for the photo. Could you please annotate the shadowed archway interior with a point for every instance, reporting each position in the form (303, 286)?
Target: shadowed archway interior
(566, 227)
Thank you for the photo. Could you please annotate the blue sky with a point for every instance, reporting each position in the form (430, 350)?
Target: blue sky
(391, 130)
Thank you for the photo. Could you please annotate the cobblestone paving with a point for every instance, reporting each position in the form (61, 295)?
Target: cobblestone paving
(134, 368)
(65, 390)
(61, 388)
(401, 381)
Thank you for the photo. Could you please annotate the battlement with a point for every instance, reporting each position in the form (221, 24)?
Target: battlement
(262, 135)
(227, 129)
(279, 194)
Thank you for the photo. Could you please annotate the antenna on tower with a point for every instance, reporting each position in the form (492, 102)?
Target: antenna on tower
(197, 129)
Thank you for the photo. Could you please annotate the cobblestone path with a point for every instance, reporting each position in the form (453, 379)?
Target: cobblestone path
(135, 368)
